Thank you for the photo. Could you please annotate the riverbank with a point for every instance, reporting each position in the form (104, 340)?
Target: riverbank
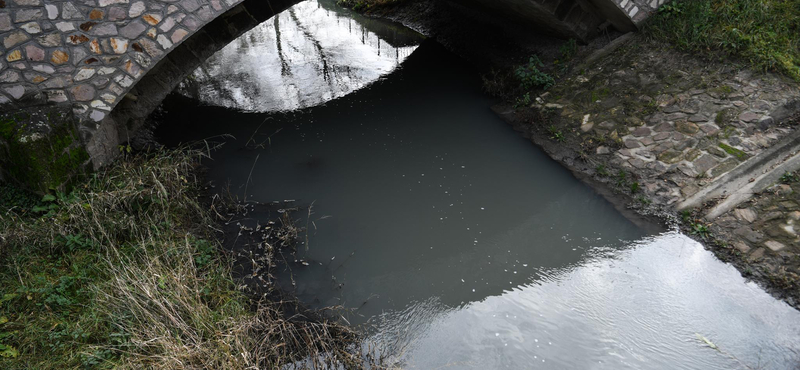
(648, 125)
(129, 271)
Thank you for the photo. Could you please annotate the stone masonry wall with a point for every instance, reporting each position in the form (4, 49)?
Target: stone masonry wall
(89, 52)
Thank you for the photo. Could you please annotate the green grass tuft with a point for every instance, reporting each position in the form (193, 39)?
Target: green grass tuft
(764, 33)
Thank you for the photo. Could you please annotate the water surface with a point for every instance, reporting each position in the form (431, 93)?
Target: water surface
(300, 58)
(462, 246)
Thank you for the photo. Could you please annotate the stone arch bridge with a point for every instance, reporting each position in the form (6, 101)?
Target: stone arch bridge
(78, 77)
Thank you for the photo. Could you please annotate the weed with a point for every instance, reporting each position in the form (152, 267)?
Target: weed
(556, 134)
(568, 50)
(602, 171)
(686, 216)
(622, 178)
(644, 200)
(789, 177)
(634, 188)
(530, 76)
(700, 230)
(524, 101)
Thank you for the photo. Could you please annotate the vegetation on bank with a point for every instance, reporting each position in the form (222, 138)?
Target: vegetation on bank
(125, 272)
(364, 6)
(765, 33)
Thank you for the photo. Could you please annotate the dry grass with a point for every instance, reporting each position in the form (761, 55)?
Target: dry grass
(126, 272)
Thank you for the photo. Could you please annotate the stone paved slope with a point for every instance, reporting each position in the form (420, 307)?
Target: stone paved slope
(661, 125)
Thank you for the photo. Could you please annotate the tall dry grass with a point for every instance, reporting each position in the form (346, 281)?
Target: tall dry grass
(126, 272)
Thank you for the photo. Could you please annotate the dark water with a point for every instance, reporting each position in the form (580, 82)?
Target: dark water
(463, 246)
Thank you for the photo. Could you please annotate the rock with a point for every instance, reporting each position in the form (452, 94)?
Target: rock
(68, 11)
(604, 150)
(167, 24)
(670, 157)
(756, 255)
(765, 122)
(15, 38)
(641, 132)
(120, 46)
(132, 30)
(105, 3)
(65, 27)
(692, 154)
(59, 57)
(747, 233)
(762, 105)
(632, 144)
(781, 189)
(636, 162)
(116, 13)
(32, 28)
(16, 92)
(749, 117)
(745, 214)
(83, 92)
(27, 15)
(704, 163)
(741, 247)
(5, 22)
(710, 129)
(586, 126)
(774, 246)
(190, 5)
(716, 151)
(634, 121)
(154, 19)
(606, 125)
(105, 29)
(687, 128)
(84, 74)
(698, 118)
(164, 42)
(56, 96)
(687, 169)
(97, 115)
(52, 11)
(647, 141)
(178, 35)
(14, 56)
(34, 53)
(137, 9)
(661, 136)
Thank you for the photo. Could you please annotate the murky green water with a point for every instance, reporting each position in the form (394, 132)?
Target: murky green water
(462, 246)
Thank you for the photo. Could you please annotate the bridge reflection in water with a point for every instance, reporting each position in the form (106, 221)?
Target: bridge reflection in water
(311, 53)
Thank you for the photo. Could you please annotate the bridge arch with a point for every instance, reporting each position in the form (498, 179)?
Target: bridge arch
(79, 77)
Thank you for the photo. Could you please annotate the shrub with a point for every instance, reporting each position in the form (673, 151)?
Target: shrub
(530, 76)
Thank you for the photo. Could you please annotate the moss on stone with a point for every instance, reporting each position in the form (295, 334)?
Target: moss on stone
(45, 157)
(733, 151)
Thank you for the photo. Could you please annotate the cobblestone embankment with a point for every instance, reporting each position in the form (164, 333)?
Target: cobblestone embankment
(659, 125)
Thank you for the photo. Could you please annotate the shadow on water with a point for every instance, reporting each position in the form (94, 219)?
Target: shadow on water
(461, 245)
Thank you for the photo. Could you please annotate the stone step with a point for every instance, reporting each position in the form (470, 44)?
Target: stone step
(750, 177)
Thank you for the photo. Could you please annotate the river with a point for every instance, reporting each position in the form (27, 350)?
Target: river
(453, 241)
